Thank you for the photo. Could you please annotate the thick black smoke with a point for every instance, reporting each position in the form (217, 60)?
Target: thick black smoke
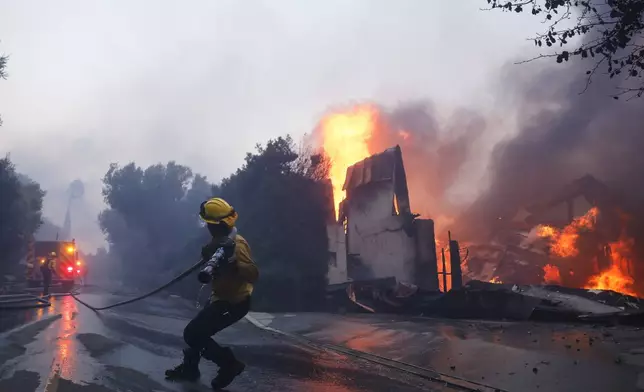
(564, 133)
(434, 152)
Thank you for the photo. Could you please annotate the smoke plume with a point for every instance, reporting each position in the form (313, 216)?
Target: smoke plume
(435, 152)
(564, 133)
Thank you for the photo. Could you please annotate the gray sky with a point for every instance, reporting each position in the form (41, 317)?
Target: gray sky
(200, 82)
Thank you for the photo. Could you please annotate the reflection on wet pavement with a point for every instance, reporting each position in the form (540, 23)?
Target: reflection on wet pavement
(14, 318)
(505, 355)
(129, 349)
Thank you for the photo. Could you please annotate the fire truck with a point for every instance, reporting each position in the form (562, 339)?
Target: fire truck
(69, 269)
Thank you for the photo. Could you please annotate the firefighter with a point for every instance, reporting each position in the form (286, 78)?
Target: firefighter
(232, 286)
(46, 269)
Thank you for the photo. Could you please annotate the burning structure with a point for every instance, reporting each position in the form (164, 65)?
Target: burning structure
(556, 258)
(579, 239)
(377, 235)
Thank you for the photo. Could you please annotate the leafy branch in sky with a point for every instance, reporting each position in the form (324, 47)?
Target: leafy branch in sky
(3, 73)
(610, 31)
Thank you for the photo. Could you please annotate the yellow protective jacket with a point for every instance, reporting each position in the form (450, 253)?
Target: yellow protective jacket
(49, 264)
(236, 283)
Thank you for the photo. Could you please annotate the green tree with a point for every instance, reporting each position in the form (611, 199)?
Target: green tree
(283, 206)
(152, 214)
(3, 66)
(3, 72)
(281, 193)
(610, 31)
(21, 207)
(20, 213)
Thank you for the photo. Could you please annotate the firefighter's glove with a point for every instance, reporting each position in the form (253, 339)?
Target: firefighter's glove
(227, 243)
(227, 263)
(207, 251)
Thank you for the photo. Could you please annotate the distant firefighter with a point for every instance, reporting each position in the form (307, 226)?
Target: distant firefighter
(46, 269)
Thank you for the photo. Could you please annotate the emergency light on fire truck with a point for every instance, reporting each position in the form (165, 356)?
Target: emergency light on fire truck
(67, 266)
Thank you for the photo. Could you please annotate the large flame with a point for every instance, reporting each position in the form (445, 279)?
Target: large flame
(345, 141)
(563, 245)
(616, 277)
(564, 242)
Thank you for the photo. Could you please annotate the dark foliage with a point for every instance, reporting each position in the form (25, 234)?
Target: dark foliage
(281, 197)
(20, 213)
(610, 30)
(152, 214)
(3, 67)
(279, 192)
(3, 71)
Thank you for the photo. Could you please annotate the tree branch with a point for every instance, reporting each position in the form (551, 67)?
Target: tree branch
(611, 32)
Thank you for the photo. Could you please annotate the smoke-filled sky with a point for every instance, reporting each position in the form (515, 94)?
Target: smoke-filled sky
(200, 82)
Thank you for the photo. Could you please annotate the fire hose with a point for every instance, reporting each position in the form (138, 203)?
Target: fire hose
(28, 301)
(22, 301)
(146, 295)
(204, 276)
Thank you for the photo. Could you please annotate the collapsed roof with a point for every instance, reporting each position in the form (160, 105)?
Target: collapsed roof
(588, 188)
(385, 166)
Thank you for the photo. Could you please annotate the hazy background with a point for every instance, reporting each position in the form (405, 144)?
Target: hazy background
(201, 82)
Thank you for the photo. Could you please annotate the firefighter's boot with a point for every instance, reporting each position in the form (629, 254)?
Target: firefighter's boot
(188, 370)
(229, 366)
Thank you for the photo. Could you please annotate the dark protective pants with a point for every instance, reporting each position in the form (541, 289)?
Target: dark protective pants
(46, 280)
(211, 319)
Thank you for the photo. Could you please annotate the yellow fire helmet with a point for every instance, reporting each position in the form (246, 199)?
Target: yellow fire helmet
(217, 210)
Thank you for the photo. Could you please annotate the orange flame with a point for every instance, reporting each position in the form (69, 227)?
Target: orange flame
(616, 277)
(563, 242)
(551, 274)
(496, 280)
(345, 142)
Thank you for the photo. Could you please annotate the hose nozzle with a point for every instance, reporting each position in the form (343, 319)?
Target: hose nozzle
(205, 275)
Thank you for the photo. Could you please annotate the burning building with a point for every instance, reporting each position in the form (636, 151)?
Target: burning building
(377, 235)
(553, 256)
(578, 238)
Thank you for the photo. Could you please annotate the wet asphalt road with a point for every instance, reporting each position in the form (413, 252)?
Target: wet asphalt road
(68, 348)
(12, 319)
(522, 357)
